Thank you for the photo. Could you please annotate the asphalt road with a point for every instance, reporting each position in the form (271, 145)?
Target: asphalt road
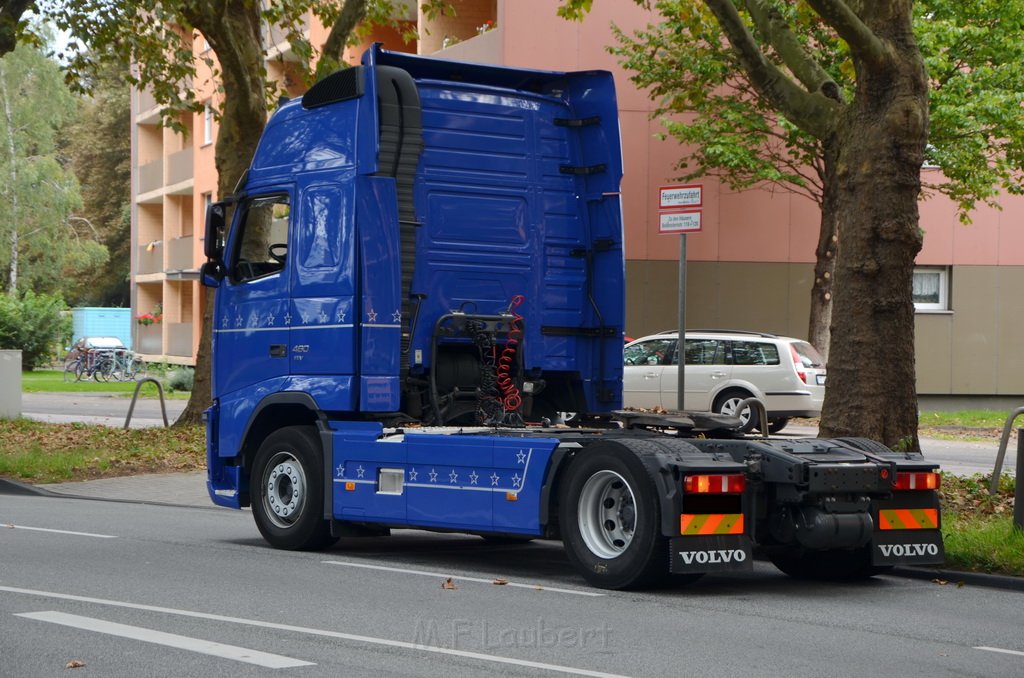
(97, 408)
(133, 590)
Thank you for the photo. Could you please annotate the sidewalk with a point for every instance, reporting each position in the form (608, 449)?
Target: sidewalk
(175, 489)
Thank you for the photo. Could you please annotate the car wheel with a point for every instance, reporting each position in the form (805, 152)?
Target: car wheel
(776, 425)
(729, 404)
(287, 490)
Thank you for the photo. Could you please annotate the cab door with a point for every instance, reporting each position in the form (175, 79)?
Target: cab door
(251, 321)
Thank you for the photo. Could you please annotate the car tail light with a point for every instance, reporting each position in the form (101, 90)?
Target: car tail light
(918, 480)
(798, 364)
(732, 483)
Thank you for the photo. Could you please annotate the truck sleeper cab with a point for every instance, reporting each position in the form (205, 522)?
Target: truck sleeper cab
(424, 264)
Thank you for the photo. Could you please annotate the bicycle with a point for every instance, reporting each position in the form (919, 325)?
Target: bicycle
(118, 365)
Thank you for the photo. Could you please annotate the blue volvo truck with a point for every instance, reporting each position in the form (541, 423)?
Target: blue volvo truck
(421, 269)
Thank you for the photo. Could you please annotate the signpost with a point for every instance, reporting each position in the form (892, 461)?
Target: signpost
(679, 212)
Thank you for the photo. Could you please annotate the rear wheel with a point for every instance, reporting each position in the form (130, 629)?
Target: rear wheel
(287, 490)
(776, 425)
(729, 404)
(610, 516)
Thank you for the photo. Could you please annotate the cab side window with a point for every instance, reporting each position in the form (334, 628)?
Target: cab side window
(262, 246)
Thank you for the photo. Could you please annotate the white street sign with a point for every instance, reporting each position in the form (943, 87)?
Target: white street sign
(679, 222)
(676, 197)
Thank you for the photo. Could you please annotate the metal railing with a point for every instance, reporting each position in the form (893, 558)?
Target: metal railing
(135, 396)
(1018, 493)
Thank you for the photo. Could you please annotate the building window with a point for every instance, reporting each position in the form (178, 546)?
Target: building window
(207, 123)
(931, 289)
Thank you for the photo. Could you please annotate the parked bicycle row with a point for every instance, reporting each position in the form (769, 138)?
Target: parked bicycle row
(103, 364)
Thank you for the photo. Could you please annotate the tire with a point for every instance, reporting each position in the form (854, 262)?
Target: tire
(835, 565)
(729, 402)
(287, 490)
(137, 368)
(776, 425)
(866, 445)
(610, 520)
(73, 371)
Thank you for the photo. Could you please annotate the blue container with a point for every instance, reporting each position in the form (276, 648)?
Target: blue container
(102, 322)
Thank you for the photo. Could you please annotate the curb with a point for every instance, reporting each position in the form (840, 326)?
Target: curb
(961, 578)
(8, 486)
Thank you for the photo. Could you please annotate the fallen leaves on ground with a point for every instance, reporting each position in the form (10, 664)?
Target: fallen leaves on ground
(448, 584)
(74, 664)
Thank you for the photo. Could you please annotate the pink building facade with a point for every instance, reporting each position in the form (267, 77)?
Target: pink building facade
(751, 265)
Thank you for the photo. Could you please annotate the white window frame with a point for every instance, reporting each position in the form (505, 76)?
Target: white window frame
(207, 123)
(942, 272)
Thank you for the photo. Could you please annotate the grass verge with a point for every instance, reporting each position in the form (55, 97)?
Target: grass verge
(978, 528)
(52, 381)
(37, 452)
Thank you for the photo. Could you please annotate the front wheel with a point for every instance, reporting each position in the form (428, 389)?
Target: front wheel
(288, 494)
(610, 515)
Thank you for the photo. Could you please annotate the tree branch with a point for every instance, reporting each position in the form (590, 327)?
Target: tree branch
(862, 41)
(352, 13)
(777, 33)
(812, 112)
(10, 17)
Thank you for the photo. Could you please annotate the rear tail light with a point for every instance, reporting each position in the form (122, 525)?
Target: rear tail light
(798, 364)
(918, 480)
(733, 483)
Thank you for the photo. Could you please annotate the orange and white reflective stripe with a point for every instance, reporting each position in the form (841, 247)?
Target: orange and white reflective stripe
(710, 523)
(908, 519)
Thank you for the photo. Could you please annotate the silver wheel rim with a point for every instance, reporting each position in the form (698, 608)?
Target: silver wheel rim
(607, 514)
(730, 407)
(284, 484)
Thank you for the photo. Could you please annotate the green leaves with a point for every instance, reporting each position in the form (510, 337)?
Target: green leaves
(974, 53)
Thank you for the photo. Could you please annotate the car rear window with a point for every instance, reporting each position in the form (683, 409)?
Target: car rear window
(754, 353)
(808, 355)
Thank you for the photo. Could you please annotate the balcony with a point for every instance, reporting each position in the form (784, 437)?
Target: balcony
(179, 254)
(179, 167)
(151, 176)
(150, 258)
(179, 339)
(149, 339)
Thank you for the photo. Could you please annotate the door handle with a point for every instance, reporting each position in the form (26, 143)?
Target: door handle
(278, 350)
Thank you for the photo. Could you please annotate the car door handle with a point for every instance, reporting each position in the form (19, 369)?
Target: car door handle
(651, 375)
(717, 375)
(278, 350)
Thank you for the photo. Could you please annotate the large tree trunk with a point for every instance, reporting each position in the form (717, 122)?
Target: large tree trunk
(819, 325)
(871, 382)
(235, 36)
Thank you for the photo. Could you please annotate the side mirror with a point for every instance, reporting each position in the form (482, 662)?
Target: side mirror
(212, 273)
(216, 217)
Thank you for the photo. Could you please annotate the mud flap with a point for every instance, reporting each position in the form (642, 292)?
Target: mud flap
(907, 547)
(710, 553)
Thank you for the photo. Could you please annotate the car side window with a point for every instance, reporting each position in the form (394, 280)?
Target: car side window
(262, 247)
(704, 352)
(754, 353)
(653, 352)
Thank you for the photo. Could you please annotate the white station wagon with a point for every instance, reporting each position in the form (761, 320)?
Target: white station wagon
(724, 367)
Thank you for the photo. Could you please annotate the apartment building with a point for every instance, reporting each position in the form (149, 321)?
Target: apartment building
(750, 266)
